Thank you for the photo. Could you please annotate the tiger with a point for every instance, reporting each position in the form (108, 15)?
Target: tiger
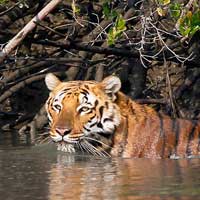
(97, 118)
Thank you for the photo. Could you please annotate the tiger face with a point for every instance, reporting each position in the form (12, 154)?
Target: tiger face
(82, 114)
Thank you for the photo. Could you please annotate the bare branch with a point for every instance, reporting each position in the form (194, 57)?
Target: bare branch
(12, 44)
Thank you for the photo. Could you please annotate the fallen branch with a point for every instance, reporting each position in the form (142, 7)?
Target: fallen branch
(14, 42)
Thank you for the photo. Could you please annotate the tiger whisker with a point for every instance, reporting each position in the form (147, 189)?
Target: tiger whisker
(43, 134)
(47, 139)
(80, 147)
(87, 149)
(97, 151)
(91, 149)
(100, 142)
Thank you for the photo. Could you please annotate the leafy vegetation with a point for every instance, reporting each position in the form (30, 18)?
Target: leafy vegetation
(3, 1)
(187, 17)
(118, 25)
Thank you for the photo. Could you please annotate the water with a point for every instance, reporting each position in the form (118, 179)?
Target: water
(41, 172)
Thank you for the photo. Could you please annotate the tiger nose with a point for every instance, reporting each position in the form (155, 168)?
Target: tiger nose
(63, 131)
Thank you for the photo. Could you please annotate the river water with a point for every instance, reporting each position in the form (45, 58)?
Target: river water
(41, 172)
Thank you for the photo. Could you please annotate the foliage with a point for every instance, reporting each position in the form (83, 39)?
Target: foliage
(188, 19)
(75, 8)
(190, 23)
(3, 1)
(116, 31)
(119, 24)
(175, 10)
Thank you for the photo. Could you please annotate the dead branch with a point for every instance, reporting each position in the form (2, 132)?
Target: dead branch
(29, 27)
(86, 47)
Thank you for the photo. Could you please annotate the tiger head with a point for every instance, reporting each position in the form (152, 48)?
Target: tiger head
(83, 114)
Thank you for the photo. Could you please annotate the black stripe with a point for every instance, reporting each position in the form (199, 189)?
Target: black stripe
(162, 134)
(51, 105)
(93, 125)
(89, 103)
(48, 101)
(96, 103)
(107, 119)
(133, 111)
(86, 86)
(86, 97)
(62, 93)
(99, 125)
(90, 112)
(190, 137)
(65, 90)
(101, 111)
(91, 118)
(88, 130)
(103, 134)
(84, 91)
(91, 121)
(176, 128)
(106, 104)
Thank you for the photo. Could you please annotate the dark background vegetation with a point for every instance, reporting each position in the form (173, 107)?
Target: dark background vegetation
(153, 46)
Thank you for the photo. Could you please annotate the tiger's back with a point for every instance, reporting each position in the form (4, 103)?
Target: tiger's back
(99, 119)
(150, 134)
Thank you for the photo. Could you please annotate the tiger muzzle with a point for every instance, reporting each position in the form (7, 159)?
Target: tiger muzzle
(63, 131)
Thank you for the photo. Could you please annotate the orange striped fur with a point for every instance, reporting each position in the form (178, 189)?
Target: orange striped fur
(99, 119)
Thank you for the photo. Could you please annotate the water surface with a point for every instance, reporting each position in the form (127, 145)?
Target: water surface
(41, 172)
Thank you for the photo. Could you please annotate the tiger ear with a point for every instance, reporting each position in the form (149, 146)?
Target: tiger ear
(51, 81)
(111, 86)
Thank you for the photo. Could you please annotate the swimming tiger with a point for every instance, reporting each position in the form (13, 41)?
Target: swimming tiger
(97, 118)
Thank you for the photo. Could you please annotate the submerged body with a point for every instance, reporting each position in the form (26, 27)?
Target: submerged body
(98, 118)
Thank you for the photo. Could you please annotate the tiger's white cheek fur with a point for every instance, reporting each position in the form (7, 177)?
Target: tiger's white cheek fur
(106, 124)
(113, 114)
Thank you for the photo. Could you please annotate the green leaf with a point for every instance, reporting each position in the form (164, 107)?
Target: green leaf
(75, 9)
(165, 2)
(3, 1)
(194, 30)
(114, 13)
(106, 10)
(120, 23)
(115, 32)
(111, 37)
(184, 30)
(175, 10)
(195, 21)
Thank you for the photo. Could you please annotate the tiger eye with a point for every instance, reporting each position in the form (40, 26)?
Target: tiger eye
(84, 109)
(58, 107)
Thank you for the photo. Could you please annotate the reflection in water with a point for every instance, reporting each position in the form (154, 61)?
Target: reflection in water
(124, 179)
(43, 173)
